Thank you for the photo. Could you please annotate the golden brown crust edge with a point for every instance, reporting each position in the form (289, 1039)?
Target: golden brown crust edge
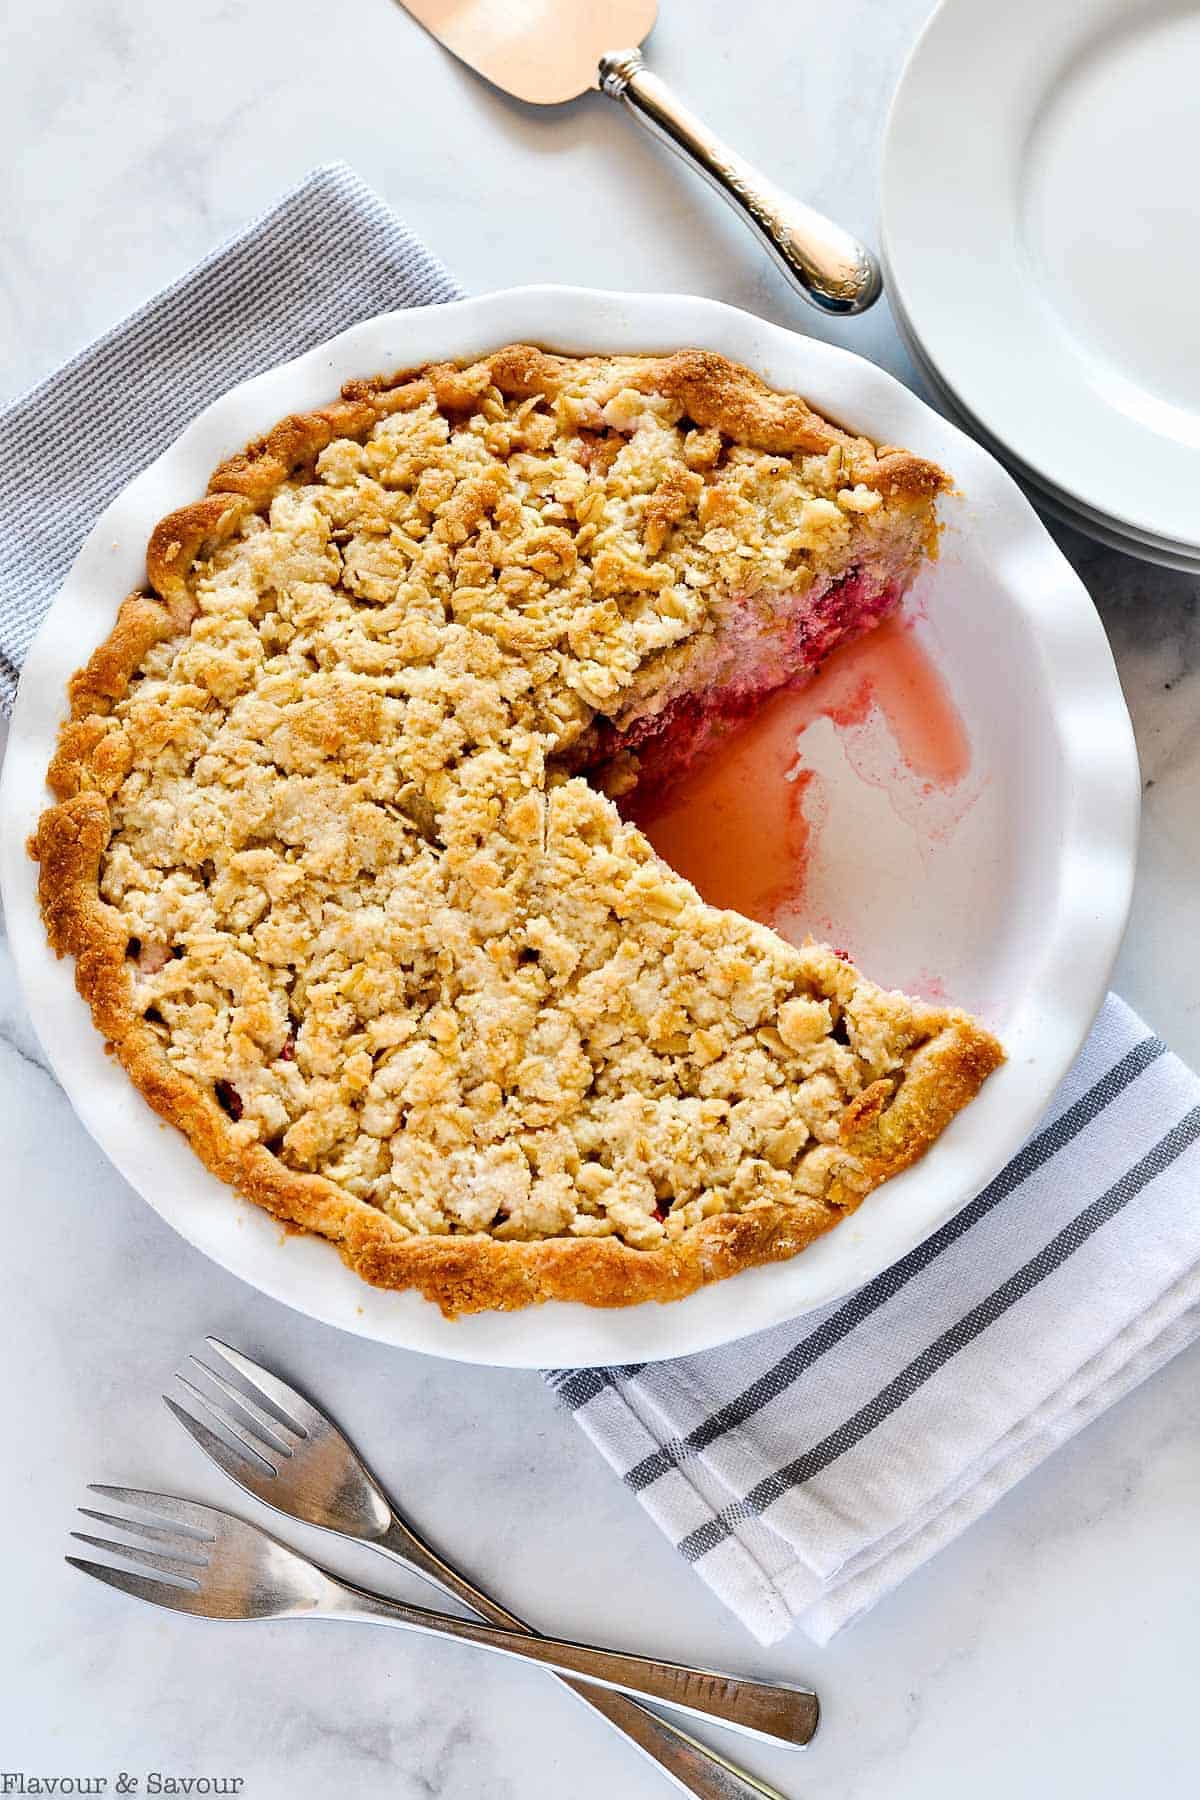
(462, 1274)
(712, 390)
(477, 1274)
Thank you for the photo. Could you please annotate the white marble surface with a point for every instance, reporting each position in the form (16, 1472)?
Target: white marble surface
(1050, 1652)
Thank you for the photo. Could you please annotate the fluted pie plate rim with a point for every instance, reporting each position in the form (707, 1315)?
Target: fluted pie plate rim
(1055, 835)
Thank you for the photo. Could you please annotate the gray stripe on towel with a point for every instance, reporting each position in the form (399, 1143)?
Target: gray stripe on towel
(935, 1356)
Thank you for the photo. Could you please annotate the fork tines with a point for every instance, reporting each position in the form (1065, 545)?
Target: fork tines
(184, 1541)
(256, 1429)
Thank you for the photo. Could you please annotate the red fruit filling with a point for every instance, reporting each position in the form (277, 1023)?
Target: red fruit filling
(229, 1099)
(786, 652)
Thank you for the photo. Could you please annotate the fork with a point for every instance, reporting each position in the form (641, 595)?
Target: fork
(294, 1459)
(224, 1568)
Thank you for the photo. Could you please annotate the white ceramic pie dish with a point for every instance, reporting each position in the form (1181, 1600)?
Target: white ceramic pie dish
(1020, 909)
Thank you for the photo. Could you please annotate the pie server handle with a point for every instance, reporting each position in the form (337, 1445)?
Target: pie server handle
(832, 270)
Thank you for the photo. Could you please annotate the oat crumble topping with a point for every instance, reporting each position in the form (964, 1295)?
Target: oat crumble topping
(367, 902)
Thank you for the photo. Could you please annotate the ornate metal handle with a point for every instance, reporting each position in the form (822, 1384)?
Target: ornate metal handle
(832, 269)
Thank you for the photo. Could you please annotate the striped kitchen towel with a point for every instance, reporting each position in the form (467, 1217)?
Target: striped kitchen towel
(325, 256)
(804, 1472)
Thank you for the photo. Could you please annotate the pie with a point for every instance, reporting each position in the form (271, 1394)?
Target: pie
(337, 849)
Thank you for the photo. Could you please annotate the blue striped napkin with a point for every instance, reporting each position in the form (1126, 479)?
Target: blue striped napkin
(805, 1471)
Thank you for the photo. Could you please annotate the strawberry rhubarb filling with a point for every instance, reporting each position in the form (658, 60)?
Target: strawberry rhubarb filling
(762, 648)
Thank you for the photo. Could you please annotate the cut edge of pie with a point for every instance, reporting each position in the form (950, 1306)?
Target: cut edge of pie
(898, 1069)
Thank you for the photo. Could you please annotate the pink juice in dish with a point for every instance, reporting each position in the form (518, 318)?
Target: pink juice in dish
(735, 823)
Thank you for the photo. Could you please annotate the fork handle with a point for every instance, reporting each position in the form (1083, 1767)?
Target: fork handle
(832, 270)
(692, 1767)
(777, 1712)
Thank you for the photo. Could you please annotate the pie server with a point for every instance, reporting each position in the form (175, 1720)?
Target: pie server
(546, 51)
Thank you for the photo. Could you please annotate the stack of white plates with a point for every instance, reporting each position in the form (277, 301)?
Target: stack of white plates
(1041, 236)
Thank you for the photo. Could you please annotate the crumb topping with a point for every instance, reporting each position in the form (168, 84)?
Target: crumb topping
(366, 904)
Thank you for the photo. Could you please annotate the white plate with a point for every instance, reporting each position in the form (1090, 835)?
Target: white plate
(1040, 227)
(1161, 551)
(1020, 907)
(1164, 551)
(1108, 535)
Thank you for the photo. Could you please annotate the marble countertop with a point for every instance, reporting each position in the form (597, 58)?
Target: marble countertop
(1049, 1652)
